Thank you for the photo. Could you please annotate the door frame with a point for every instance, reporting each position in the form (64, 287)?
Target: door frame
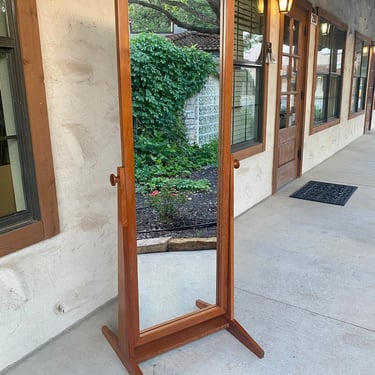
(305, 7)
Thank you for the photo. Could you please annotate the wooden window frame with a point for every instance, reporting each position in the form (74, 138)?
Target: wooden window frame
(343, 27)
(257, 147)
(48, 225)
(368, 41)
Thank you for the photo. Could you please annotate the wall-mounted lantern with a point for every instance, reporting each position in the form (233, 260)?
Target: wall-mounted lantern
(285, 5)
(260, 4)
(325, 28)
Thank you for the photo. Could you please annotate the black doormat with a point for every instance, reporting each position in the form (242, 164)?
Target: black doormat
(325, 192)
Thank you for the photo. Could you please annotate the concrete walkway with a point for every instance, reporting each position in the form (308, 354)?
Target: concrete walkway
(305, 290)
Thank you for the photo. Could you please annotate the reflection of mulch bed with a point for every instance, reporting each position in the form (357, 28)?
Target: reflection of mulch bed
(198, 213)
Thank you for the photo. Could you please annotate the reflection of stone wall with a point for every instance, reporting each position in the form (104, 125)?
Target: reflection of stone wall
(201, 114)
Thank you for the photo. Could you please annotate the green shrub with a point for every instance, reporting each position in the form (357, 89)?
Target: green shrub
(167, 203)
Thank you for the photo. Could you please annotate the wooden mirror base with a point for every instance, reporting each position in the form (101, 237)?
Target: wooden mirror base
(173, 340)
(164, 344)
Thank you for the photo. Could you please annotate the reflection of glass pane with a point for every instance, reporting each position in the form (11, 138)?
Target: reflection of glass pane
(337, 50)
(283, 110)
(245, 105)
(286, 38)
(292, 110)
(248, 32)
(319, 99)
(3, 19)
(295, 37)
(357, 58)
(361, 94)
(323, 61)
(284, 84)
(333, 97)
(337, 61)
(353, 99)
(293, 80)
(365, 59)
(11, 183)
(284, 66)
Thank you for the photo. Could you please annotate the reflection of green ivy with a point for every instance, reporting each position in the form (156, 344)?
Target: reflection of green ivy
(163, 78)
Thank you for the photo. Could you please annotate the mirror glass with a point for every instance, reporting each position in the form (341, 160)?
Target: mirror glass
(175, 95)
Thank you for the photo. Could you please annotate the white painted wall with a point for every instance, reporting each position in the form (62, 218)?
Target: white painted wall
(75, 270)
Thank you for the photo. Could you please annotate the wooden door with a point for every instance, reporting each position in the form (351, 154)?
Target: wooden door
(370, 93)
(291, 83)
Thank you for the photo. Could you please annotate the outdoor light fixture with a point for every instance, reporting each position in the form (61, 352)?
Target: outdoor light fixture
(285, 5)
(365, 50)
(260, 4)
(325, 28)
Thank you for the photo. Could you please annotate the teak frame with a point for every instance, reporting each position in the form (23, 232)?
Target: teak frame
(132, 345)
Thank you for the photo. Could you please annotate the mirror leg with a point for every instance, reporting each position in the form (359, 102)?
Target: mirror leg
(129, 363)
(241, 335)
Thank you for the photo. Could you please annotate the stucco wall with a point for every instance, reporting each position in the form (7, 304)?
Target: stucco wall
(49, 286)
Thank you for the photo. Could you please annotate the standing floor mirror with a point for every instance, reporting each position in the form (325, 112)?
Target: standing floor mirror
(165, 318)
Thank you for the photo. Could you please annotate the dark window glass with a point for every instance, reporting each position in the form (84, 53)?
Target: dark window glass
(359, 80)
(329, 67)
(247, 75)
(18, 203)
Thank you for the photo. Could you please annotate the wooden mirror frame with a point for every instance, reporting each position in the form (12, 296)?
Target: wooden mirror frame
(131, 344)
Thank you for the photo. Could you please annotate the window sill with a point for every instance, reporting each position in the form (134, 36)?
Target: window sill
(20, 238)
(356, 114)
(249, 151)
(323, 126)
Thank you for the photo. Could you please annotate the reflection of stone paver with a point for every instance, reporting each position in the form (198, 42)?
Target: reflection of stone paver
(162, 244)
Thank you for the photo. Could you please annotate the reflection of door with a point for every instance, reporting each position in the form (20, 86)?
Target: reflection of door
(370, 93)
(291, 88)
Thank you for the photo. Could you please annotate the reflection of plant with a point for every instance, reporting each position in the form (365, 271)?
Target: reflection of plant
(318, 113)
(155, 165)
(167, 203)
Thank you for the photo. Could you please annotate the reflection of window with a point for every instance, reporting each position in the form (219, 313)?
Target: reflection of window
(359, 79)
(247, 75)
(329, 61)
(27, 195)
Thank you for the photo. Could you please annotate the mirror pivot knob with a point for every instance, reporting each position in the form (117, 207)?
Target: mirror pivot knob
(114, 180)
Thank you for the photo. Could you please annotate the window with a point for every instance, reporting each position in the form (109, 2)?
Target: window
(248, 75)
(28, 208)
(359, 79)
(329, 68)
